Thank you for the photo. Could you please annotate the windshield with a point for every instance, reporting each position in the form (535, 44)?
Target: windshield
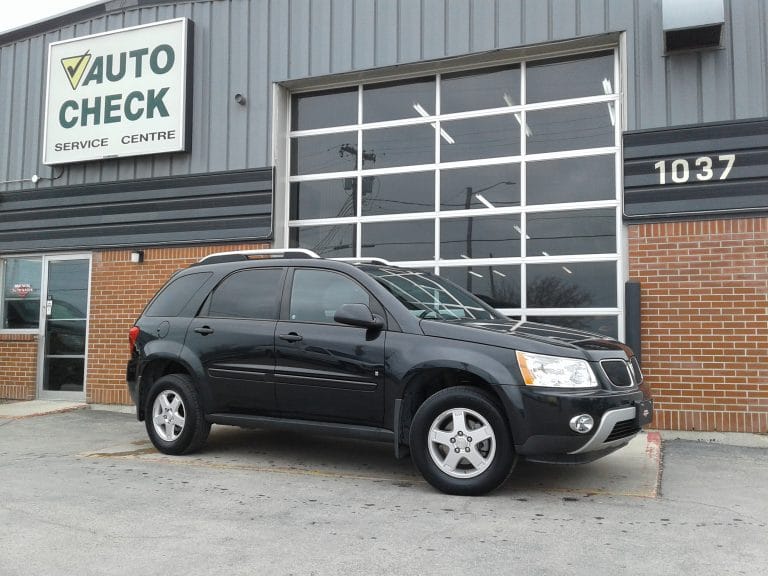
(429, 296)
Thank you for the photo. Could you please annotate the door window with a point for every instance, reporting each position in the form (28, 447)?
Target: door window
(251, 294)
(317, 294)
(175, 296)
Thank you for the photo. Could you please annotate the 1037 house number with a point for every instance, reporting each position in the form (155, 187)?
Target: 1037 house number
(680, 170)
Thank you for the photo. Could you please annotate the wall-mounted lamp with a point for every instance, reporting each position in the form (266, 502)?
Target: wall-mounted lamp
(240, 99)
(137, 256)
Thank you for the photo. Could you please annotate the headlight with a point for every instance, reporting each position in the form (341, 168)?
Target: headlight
(555, 372)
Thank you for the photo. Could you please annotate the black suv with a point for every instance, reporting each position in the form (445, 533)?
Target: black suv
(369, 350)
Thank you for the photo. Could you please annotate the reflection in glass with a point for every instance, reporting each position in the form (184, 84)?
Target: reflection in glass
(64, 374)
(572, 232)
(247, 294)
(604, 325)
(398, 100)
(329, 241)
(173, 298)
(402, 146)
(570, 128)
(68, 288)
(325, 153)
(480, 187)
(480, 237)
(317, 294)
(323, 198)
(497, 286)
(398, 193)
(571, 180)
(324, 109)
(475, 138)
(399, 241)
(573, 77)
(430, 297)
(572, 285)
(66, 337)
(479, 90)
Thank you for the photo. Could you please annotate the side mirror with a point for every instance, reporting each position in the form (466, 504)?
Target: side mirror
(358, 315)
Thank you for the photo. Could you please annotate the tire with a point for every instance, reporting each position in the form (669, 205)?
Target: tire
(174, 417)
(445, 451)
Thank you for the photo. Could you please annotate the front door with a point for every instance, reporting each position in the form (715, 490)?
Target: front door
(64, 324)
(324, 370)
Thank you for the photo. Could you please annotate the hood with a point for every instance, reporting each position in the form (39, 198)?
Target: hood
(515, 334)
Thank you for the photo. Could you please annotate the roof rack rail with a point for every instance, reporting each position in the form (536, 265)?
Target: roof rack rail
(364, 260)
(236, 255)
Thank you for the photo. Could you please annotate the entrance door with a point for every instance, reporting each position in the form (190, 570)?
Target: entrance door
(64, 323)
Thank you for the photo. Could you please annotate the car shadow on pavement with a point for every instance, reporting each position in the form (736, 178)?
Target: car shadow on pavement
(299, 453)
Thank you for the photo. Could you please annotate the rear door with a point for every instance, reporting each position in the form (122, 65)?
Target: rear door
(234, 338)
(328, 371)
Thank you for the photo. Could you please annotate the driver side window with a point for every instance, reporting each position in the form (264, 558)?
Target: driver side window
(317, 294)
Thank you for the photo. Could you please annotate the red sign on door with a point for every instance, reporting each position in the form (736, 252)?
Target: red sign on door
(22, 290)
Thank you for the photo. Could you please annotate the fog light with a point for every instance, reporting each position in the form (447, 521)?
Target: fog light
(582, 423)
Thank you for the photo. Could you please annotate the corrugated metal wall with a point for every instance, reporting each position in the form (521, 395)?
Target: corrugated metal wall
(230, 206)
(244, 45)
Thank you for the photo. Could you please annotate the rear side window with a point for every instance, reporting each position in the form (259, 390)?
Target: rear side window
(251, 294)
(176, 294)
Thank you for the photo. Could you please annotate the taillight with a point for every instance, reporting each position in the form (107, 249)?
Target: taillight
(133, 333)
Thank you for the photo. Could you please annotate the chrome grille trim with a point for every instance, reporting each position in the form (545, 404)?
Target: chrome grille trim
(611, 375)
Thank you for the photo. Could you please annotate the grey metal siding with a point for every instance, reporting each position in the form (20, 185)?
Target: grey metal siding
(243, 46)
(146, 212)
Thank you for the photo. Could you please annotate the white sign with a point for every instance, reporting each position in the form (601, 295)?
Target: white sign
(116, 94)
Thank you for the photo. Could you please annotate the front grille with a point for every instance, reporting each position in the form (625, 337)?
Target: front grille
(618, 372)
(636, 372)
(623, 429)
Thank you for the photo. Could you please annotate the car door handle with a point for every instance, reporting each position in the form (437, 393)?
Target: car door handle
(204, 330)
(292, 337)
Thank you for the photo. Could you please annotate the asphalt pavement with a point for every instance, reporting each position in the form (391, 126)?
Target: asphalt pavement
(83, 492)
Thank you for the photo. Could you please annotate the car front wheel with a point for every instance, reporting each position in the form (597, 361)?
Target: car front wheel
(460, 442)
(174, 418)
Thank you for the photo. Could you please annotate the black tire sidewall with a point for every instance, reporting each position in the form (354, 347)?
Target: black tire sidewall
(473, 399)
(194, 423)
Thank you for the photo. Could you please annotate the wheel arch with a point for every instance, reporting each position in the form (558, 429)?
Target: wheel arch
(156, 367)
(427, 381)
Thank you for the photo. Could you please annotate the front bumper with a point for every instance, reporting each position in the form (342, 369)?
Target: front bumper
(539, 421)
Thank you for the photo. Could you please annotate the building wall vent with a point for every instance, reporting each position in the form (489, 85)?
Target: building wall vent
(692, 24)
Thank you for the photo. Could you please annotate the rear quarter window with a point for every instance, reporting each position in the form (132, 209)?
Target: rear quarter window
(176, 294)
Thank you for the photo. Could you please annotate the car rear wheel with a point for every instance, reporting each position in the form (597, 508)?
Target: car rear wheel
(174, 418)
(460, 442)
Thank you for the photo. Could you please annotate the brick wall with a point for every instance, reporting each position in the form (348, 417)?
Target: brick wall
(704, 321)
(119, 291)
(18, 366)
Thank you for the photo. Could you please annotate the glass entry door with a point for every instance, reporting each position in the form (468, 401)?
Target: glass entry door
(64, 322)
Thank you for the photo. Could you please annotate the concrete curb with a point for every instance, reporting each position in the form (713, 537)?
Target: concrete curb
(726, 438)
(31, 408)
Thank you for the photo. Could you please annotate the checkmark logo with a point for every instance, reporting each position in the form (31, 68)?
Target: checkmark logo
(75, 67)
